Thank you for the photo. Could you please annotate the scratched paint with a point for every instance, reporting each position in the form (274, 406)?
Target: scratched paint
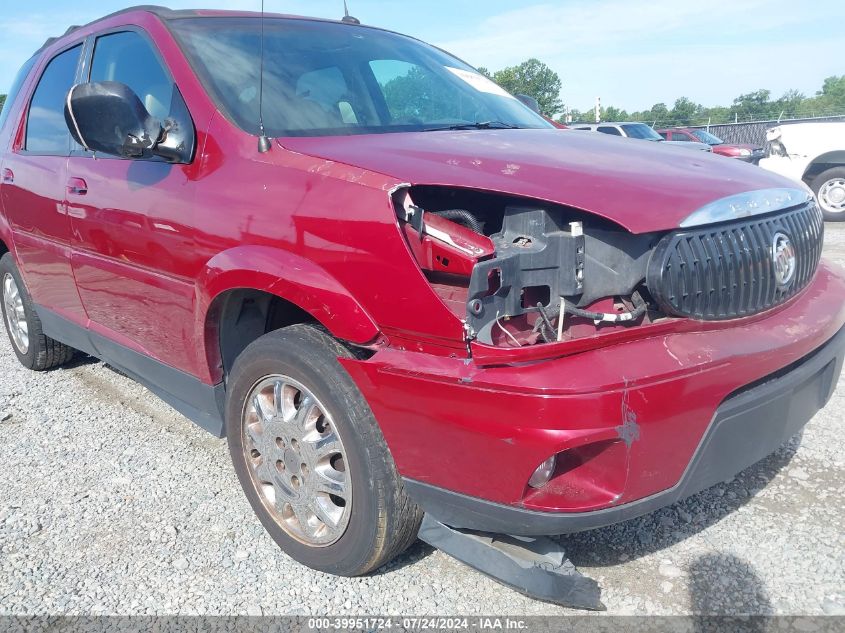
(629, 430)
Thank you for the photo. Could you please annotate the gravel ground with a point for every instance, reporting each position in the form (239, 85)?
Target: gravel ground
(111, 502)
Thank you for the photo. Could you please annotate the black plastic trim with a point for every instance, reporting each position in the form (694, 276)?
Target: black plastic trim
(749, 425)
(537, 567)
(200, 403)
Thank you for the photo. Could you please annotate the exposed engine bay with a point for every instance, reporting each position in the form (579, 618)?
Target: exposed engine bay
(523, 273)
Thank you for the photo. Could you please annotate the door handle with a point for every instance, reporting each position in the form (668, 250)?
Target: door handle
(8, 176)
(77, 187)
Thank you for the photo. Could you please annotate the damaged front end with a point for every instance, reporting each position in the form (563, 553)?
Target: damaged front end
(520, 273)
(585, 436)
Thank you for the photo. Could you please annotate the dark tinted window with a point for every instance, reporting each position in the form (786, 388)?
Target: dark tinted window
(46, 131)
(680, 136)
(324, 78)
(130, 59)
(608, 129)
(13, 91)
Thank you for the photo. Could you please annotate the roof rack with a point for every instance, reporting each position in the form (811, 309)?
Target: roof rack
(160, 11)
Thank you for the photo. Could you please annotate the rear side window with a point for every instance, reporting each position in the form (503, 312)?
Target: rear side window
(129, 58)
(607, 129)
(640, 131)
(46, 132)
(13, 91)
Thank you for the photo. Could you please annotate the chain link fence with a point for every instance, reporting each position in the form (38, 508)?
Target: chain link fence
(754, 133)
(745, 132)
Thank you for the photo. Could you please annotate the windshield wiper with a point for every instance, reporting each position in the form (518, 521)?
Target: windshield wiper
(478, 125)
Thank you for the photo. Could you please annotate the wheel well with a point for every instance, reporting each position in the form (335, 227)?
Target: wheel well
(3, 248)
(241, 316)
(823, 163)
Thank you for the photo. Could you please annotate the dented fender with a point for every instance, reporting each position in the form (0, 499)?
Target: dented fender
(290, 277)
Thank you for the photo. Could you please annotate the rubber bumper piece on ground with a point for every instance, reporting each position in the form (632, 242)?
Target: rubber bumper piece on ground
(535, 566)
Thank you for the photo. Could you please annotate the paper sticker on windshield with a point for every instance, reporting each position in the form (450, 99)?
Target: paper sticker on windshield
(479, 82)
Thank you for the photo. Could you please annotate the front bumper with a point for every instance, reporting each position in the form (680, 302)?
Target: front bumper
(651, 420)
(754, 157)
(787, 166)
(748, 426)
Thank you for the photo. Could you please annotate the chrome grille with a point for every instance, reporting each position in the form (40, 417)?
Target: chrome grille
(726, 271)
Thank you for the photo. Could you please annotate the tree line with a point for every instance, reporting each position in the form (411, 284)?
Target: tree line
(534, 78)
(753, 106)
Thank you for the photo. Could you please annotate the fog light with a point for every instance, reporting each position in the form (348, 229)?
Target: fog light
(543, 473)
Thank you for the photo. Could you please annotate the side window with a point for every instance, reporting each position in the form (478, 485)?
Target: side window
(46, 131)
(665, 135)
(609, 129)
(13, 91)
(128, 58)
(680, 136)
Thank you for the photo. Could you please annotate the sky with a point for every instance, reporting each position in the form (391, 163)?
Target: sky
(631, 53)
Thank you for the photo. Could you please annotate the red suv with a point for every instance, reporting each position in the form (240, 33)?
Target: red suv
(394, 288)
(747, 153)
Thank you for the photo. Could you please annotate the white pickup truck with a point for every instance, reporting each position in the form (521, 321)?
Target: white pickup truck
(812, 153)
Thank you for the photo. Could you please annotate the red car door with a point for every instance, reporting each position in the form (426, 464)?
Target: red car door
(133, 249)
(34, 175)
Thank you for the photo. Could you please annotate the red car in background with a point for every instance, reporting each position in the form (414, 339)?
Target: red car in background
(747, 153)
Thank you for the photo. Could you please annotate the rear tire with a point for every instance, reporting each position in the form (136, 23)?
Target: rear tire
(298, 428)
(34, 349)
(829, 187)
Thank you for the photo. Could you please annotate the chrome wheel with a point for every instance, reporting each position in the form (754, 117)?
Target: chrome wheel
(15, 314)
(832, 195)
(296, 461)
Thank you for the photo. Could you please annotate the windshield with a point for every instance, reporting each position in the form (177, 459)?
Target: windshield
(706, 137)
(324, 78)
(641, 130)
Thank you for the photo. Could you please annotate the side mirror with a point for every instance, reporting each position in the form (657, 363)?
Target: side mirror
(108, 117)
(531, 102)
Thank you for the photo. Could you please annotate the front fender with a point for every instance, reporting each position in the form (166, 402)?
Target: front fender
(836, 157)
(290, 277)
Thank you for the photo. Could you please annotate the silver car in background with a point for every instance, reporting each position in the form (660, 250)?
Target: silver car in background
(639, 131)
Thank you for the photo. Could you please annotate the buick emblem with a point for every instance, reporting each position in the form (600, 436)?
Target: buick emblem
(783, 259)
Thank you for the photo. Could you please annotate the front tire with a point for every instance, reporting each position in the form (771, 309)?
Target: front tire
(34, 349)
(829, 187)
(311, 457)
